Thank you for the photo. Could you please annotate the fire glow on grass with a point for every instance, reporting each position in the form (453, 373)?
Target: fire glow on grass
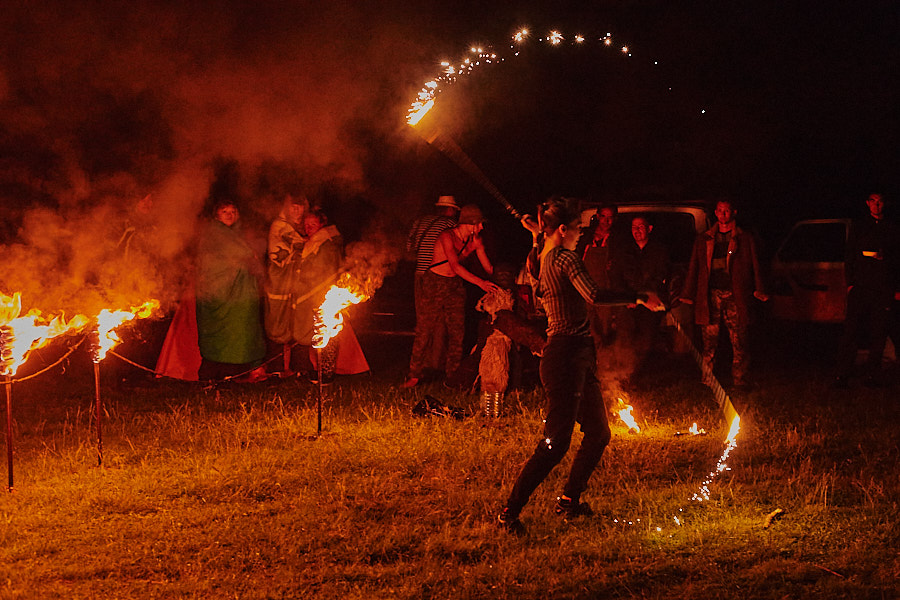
(329, 320)
(425, 98)
(109, 320)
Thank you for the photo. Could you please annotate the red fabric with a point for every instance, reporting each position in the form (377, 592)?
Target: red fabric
(350, 357)
(180, 355)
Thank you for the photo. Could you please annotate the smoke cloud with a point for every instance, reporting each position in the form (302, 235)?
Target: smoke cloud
(103, 103)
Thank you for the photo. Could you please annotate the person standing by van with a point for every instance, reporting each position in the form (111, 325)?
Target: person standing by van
(723, 276)
(871, 269)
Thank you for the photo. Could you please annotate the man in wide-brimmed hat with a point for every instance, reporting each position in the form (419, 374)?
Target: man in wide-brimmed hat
(429, 328)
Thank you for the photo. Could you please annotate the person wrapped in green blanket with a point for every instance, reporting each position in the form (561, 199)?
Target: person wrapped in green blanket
(230, 332)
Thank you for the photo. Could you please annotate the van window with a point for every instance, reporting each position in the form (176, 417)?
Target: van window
(674, 230)
(815, 242)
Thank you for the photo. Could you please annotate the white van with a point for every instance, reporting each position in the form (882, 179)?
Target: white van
(808, 281)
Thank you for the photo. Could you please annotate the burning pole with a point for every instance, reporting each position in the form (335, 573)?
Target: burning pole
(98, 401)
(103, 340)
(5, 334)
(328, 323)
(9, 444)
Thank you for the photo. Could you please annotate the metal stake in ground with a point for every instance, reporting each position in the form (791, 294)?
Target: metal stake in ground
(321, 379)
(98, 407)
(9, 439)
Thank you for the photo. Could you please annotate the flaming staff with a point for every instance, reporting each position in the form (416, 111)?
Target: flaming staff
(105, 339)
(328, 323)
(450, 148)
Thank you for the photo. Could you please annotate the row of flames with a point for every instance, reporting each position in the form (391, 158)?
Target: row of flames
(21, 334)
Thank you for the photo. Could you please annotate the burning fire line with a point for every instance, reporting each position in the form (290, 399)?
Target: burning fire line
(21, 335)
(625, 414)
(109, 320)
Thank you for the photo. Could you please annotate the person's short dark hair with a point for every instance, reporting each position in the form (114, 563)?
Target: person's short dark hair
(645, 218)
(220, 203)
(608, 206)
(725, 200)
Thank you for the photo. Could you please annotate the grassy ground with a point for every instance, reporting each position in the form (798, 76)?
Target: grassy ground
(228, 493)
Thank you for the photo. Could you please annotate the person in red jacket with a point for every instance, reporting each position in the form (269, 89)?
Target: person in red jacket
(722, 278)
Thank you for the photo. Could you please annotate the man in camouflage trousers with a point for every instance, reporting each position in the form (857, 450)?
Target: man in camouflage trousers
(723, 275)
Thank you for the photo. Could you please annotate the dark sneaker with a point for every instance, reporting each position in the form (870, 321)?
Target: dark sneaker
(569, 509)
(510, 524)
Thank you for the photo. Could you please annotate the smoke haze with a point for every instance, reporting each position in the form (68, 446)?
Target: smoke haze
(102, 103)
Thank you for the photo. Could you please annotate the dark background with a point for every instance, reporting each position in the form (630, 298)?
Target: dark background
(789, 107)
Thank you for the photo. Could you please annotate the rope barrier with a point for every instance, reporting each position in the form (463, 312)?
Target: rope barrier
(45, 369)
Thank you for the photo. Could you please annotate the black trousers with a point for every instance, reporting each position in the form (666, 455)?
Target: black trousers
(869, 312)
(568, 374)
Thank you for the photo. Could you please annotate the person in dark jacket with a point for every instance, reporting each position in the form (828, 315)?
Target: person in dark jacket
(723, 276)
(871, 270)
(643, 265)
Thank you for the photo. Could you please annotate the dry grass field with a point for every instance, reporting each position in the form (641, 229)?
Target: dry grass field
(228, 493)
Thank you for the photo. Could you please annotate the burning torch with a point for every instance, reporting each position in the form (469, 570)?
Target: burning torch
(18, 336)
(328, 323)
(104, 339)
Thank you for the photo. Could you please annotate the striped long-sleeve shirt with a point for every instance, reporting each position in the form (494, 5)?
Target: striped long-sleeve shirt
(564, 289)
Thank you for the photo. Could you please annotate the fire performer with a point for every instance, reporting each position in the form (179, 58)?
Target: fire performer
(229, 328)
(444, 288)
(568, 366)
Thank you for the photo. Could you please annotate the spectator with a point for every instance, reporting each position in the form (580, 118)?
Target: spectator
(600, 254)
(320, 263)
(871, 269)
(430, 337)
(722, 276)
(286, 239)
(444, 285)
(230, 333)
(643, 265)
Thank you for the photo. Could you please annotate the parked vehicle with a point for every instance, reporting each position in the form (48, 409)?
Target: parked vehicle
(808, 281)
(675, 225)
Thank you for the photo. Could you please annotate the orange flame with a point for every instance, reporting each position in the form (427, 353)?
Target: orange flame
(624, 413)
(10, 307)
(329, 320)
(109, 320)
(24, 334)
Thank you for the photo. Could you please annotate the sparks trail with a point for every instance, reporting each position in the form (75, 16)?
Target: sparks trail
(479, 56)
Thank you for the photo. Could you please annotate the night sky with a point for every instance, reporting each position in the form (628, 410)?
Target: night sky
(104, 102)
